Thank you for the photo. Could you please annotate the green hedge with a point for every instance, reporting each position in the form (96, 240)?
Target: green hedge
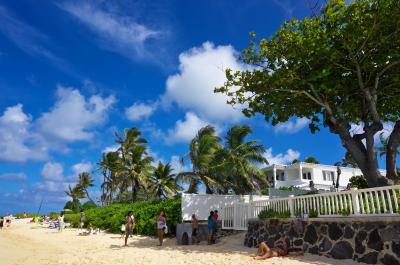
(112, 216)
(271, 213)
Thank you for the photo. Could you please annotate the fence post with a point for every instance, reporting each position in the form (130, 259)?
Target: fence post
(234, 215)
(356, 202)
(291, 206)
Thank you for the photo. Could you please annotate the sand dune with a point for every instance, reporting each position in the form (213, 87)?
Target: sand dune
(24, 243)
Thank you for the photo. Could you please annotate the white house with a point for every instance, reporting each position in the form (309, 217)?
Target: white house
(300, 174)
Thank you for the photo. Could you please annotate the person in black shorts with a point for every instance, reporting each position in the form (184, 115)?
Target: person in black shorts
(195, 229)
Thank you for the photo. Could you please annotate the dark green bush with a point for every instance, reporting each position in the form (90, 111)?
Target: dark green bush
(313, 214)
(111, 217)
(358, 182)
(270, 213)
(72, 219)
(88, 205)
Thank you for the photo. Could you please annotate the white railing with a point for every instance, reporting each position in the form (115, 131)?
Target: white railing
(365, 202)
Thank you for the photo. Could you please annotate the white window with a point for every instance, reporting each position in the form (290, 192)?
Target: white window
(307, 175)
(280, 176)
(328, 175)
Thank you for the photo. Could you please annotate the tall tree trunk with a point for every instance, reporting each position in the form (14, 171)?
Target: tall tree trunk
(391, 152)
(364, 155)
(193, 185)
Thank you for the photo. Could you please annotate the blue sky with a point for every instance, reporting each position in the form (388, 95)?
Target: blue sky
(74, 72)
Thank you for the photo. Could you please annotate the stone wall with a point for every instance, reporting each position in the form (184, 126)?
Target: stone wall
(372, 240)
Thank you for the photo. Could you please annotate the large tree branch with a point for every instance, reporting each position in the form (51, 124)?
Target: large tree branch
(378, 76)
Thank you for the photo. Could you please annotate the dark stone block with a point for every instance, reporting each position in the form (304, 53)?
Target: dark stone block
(305, 247)
(370, 258)
(355, 226)
(390, 234)
(389, 260)
(311, 235)
(360, 237)
(325, 245)
(335, 231)
(295, 249)
(375, 241)
(272, 230)
(369, 226)
(396, 248)
(324, 230)
(292, 233)
(348, 232)
(313, 250)
(342, 250)
(298, 242)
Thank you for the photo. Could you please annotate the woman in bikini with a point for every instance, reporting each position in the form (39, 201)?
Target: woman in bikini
(264, 252)
(161, 223)
(129, 226)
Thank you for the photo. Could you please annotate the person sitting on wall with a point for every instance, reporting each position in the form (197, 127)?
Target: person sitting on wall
(280, 249)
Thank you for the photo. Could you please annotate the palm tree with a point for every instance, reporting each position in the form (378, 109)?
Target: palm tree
(349, 160)
(135, 169)
(201, 154)
(164, 182)
(75, 193)
(109, 166)
(239, 162)
(85, 181)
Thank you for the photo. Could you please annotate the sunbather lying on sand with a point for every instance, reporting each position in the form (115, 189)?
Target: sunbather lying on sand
(88, 232)
(280, 249)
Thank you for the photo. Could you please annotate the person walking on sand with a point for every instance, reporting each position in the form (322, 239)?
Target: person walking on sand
(195, 228)
(211, 226)
(82, 218)
(161, 226)
(61, 223)
(129, 225)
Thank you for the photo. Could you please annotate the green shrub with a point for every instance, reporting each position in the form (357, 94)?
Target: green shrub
(72, 219)
(313, 214)
(345, 212)
(358, 182)
(265, 192)
(112, 216)
(270, 213)
(88, 205)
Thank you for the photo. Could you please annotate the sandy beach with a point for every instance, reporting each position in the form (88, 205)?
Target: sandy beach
(24, 243)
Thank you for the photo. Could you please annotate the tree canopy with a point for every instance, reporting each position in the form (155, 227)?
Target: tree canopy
(338, 68)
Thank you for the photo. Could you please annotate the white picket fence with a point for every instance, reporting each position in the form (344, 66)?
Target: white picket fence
(365, 202)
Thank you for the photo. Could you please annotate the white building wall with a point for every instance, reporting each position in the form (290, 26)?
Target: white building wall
(293, 175)
(202, 204)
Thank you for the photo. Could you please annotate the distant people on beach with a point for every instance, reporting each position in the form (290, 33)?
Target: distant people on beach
(129, 226)
(195, 229)
(216, 216)
(161, 227)
(123, 230)
(82, 219)
(1, 223)
(88, 232)
(211, 227)
(25, 215)
(61, 223)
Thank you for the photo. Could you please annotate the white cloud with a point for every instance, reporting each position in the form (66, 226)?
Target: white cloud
(15, 137)
(20, 176)
(139, 111)
(81, 167)
(117, 33)
(291, 127)
(185, 130)
(111, 148)
(72, 117)
(53, 171)
(201, 70)
(281, 159)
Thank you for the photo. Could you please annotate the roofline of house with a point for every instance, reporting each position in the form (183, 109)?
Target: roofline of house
(311, 165)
